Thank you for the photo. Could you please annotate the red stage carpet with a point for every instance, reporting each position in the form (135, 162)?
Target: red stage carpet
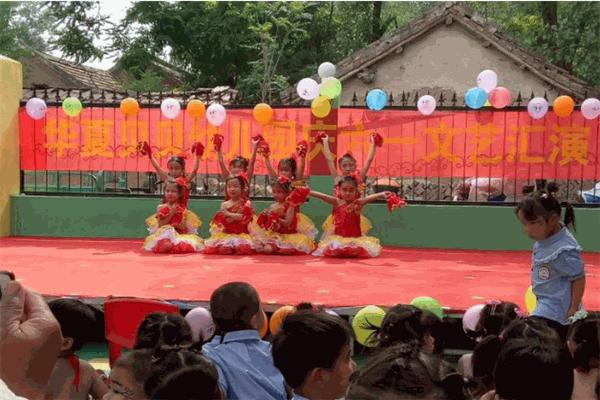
(98, 268)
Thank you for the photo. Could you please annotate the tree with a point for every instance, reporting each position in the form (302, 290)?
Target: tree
(23, 25)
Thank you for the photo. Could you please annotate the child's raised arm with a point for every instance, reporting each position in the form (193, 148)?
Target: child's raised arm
(325, 197)
(363, 173)
(272, 171)
(330, 163)
(374, 197)
(224, 169)
(301, 152)
(161, 172)
(252, 161)
(190, 177)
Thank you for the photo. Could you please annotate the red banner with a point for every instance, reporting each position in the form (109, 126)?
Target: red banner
(445, 144)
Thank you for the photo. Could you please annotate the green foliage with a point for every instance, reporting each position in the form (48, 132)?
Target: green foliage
(149, 81)
(23, 24)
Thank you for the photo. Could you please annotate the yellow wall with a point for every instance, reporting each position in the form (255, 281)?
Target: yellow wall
(11, 92)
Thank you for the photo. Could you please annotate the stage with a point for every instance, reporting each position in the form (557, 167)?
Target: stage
(93, 269)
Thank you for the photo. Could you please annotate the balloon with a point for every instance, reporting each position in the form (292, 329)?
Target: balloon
(263, 113)
(429, 304)
(196, 109)
(201, 323)
(476, 98)
(36, 108)
(487, 80)
(326, 70)
(537, 108)
(264, 325)
(331, 312)
(170, 108)
(330, 88)
(321, 107)
(129, 107)
(530, 299)
(308, 89)
(426, 105)
(72, 107)
(487, 104)
(369, 315)
(278, 317)
(591, 108)
(500, 97)
(471, 318)
(563, 106)
(376, 99)
(216, 114)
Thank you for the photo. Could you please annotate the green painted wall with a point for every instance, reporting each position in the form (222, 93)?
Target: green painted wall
(461, 227)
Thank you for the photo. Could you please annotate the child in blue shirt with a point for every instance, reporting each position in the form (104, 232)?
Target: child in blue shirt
(557, 273)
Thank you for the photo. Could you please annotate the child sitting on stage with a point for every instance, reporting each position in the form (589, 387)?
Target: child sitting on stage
(73, 378)
(348, 239)
(174, 228)
(277, 227)
(229, 227)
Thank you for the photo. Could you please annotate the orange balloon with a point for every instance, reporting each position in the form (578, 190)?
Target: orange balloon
(563, 106)
(130, 107)
(265, 325)
(278, 317)
(196, 109)
(263, 113)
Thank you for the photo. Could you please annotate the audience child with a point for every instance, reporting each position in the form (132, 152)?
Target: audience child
(313, 351)
(584, 343)
(244, 361)
(129, 374)
(73, 378)
(163, 329)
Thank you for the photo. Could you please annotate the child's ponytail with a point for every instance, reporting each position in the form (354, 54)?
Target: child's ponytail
(569, 220)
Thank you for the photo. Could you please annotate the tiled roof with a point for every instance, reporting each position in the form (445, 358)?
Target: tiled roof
(487, 32)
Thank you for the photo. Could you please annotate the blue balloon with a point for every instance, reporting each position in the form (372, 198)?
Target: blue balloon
(476, 98)
(376, 99)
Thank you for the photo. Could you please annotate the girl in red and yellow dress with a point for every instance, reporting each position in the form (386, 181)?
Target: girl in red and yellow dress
(229, 227)
(348, 166)
(174, 228)
(347, 239)
(277, 227)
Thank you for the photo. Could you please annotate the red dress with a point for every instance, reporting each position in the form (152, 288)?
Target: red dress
(172, 238)
(348, 239)
(291, 239)
(233, 236)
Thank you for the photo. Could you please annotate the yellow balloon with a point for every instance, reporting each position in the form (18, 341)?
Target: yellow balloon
(371, 315)
(321, 107)
(530, 299)
(263, 113)
(196, 109)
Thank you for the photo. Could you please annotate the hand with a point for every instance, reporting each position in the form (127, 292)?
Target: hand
(224, 206)
(324, 137)
(173, 208)
(571, 312)
(30, 341)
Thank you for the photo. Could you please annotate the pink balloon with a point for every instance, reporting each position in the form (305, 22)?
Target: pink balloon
(471, 317)
(591, 108)
(500, 97)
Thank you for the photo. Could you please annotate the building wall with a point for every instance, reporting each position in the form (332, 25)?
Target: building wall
(447, 58)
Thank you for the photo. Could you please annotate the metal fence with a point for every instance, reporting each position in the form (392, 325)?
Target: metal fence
(460, 188)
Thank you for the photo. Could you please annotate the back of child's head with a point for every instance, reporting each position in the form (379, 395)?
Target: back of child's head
(405, 372)
(288, 163)
(240, 162)
(435, 327)
(308, 340)
(401, 324)
(182, 374)
(348, 179)
(138, 363)
(543, 203)
(531, 329)
(233, 306)
(530, 370)
(495, 316)
(159, 329)
(584, 339)
(75, 319)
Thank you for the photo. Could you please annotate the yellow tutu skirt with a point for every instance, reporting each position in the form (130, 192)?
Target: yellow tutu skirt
(220, 242)
(328, 227)
(339, 246)
(167, 240)
(307, 227)
(282, 243)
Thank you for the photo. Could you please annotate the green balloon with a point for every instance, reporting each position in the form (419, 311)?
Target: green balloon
(72, 107)
(369, 315)
(331, 87)
(429, 304)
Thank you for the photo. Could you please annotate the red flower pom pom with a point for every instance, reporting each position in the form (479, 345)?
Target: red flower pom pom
(144, 148)
(298, 196)
(377, 139)
(263, 148)
(302, 148)
(394, 201)
(257, 139)
(164, 212)
(198, 148)
(218, 141)
(321, 136)
(273, 223)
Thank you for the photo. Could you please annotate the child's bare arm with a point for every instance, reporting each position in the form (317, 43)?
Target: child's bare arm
(365, 170)
(272, 172)
(373, 197)
(289, 217)
(161, 172)
(98, 388)
(330, 163)
(224, 170)
(252, 161)
(190, 177)
(325, 197)
(300, 174)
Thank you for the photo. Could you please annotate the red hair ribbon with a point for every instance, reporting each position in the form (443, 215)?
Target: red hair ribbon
(298, 196)
(377, 139)
(347, 154)
(243, 177)
(218, 141)
(356, 177)
(144, 148)
(302, 148)
(394, 201)
(74, 361)
(263, 148)
(198, 148)
(183, 156)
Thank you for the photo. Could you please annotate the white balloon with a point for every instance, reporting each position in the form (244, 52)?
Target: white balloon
(326, 70)
(36, 108)
(487, 80)
(537, 108)
(202, 324)
(170, 108)
(591, 108)
(426, 105)
(216, 114)
(308, 89)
